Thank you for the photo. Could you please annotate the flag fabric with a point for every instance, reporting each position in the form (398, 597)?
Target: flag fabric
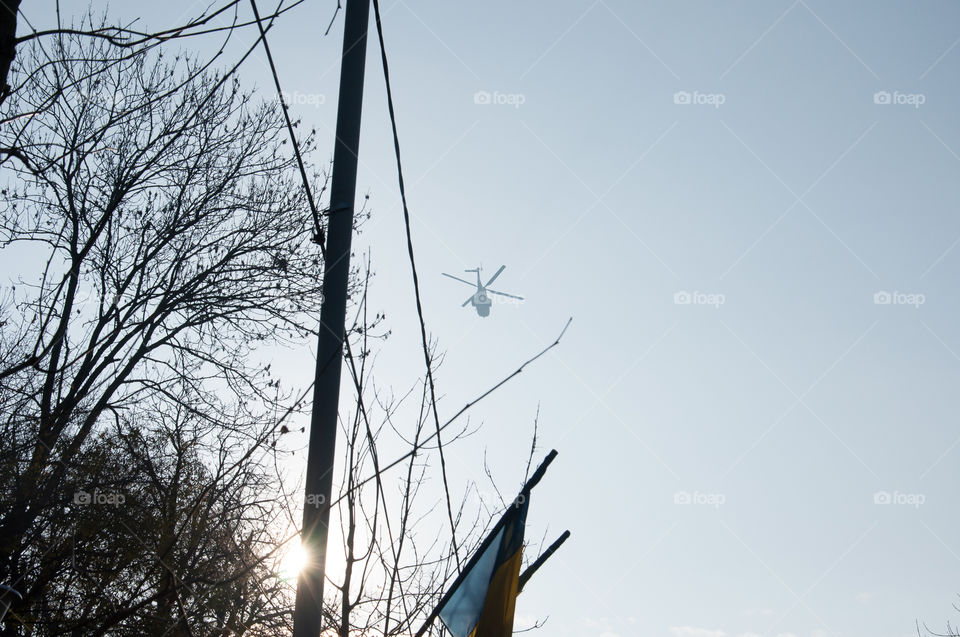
(483, 603)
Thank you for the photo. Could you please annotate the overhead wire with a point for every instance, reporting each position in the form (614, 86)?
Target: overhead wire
(416, 282)
(318, 226)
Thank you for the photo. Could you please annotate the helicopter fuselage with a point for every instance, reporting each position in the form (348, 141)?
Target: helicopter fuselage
(482, 302)
(481, 299)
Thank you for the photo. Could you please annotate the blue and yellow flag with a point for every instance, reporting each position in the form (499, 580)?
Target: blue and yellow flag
(482, 604)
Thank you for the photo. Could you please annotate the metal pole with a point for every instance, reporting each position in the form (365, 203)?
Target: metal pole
(308, 614)
(533, 568)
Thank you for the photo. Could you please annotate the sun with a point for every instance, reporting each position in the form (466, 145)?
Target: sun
(295, 559)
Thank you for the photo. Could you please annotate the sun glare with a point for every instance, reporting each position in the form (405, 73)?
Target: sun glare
(294, 561)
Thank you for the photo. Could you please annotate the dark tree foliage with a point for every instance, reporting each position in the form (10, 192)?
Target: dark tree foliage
(8, 33)
(161, 240)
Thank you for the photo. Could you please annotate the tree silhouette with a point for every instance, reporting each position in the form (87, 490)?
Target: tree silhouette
(164, 245)
(165, 241)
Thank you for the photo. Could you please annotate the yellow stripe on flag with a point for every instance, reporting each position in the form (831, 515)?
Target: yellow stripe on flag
(497, 617)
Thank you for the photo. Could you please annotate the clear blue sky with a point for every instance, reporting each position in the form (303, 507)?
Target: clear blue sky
(787, 194)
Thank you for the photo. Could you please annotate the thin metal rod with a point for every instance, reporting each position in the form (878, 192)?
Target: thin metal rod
(308, 613)
(527, 574)
(519, 500)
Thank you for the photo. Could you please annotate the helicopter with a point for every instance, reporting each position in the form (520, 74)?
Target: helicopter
(481, 298)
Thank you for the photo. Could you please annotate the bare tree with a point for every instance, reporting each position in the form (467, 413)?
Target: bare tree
(161, 532)
(951, 630)
(164, 241)
(208, 21)
(165, 244)
(398, 557)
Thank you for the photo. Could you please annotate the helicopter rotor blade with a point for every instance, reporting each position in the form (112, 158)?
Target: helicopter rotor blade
(512, 296)
(467, 302)
(456, 278)
(494, 277)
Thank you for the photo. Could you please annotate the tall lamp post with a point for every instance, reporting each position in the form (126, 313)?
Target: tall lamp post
(308, 613)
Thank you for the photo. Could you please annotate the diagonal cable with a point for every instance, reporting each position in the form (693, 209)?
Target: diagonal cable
(416, 282)
(318, 227)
